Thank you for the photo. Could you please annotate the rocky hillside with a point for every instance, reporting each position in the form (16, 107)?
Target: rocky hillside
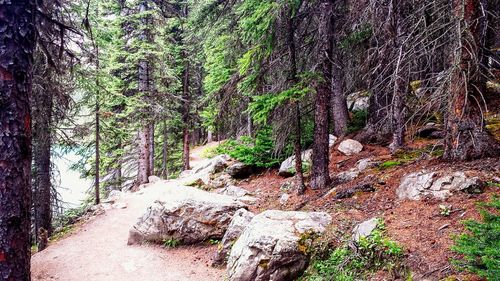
(410, 203)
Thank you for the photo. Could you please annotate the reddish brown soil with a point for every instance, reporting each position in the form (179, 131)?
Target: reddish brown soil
(417, 225)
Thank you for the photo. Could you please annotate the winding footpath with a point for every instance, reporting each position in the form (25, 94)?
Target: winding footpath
(98, 250)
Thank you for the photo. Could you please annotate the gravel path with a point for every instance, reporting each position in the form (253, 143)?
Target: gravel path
(98, 251)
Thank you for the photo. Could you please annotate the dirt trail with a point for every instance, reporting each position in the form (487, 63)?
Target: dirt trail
(98, 251)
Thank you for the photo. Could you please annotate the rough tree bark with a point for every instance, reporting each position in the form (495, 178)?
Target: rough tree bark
(466, 137)
(400, 78)
(17, 42)
(185, 116)
(144, 163)
(165, 151)
(320, 159)
(339, 111)
(152, 148)
(42, 140)
(299, 175)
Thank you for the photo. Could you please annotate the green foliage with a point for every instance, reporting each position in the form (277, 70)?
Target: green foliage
(258, 151)
(358, 121)
(262, 106)
(389, 164)
(171, 243)
(356, 37)
(214, 241)
(480, 246)
(372, 253)
(444, 210)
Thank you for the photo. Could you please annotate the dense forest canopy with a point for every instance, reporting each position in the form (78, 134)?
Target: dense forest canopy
(132, 85)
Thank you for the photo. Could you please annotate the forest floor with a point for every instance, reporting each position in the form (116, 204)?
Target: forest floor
(97, 251)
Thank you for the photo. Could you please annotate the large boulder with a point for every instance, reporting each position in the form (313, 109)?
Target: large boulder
(414, 186)
(200, 174)
(350, 147)
(274, 245)
(187, 214)
(240, 221)
(358, 101)
(239, 170)
(287, 168)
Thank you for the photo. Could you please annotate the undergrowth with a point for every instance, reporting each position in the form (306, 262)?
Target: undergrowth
(480, 245)
(357, 261)
(258, 152)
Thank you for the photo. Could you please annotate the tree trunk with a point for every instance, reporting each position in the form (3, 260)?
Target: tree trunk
(144, 169)
(299, 174)
(152, 149)
(165, 151)
(17, 42)
(466, 137)
(400, 79)
(185, 117)
(42, 186)
(320, 159)
(97, 147)
(339, 111)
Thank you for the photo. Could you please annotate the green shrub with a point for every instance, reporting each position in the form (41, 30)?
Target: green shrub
(371, 253)
(258, 151)
(358, 121)
(171, 243)
(480, 246)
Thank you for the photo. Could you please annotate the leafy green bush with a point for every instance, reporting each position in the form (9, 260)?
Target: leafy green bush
(480, 246)
(258, 151)
(358, 121)
(371, 253)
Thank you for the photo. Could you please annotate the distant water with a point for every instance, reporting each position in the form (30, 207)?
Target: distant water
(72, 189)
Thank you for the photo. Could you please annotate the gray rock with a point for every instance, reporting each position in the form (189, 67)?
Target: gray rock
(331, 140)
(346, 176)
(220, 180)
(233, 190)
(416, 185)
(365, 163)
(187, 214)
(271, 248)
(350, 147)
(202, 172)
(358, 100)
(113, 196)
(284, 198)
(239, 170)
(153, 179)
(413, 185)
(364, 229)
(239, 222)
(287, 167)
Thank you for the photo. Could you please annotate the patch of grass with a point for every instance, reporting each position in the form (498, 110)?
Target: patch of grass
(373, 253)
(480, 245)
(171, 243)
(389, 164)
(62, 232)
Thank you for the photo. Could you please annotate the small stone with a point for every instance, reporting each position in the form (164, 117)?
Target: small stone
(119, 205)
(364, 229)
(350, 147)
(284, 198)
